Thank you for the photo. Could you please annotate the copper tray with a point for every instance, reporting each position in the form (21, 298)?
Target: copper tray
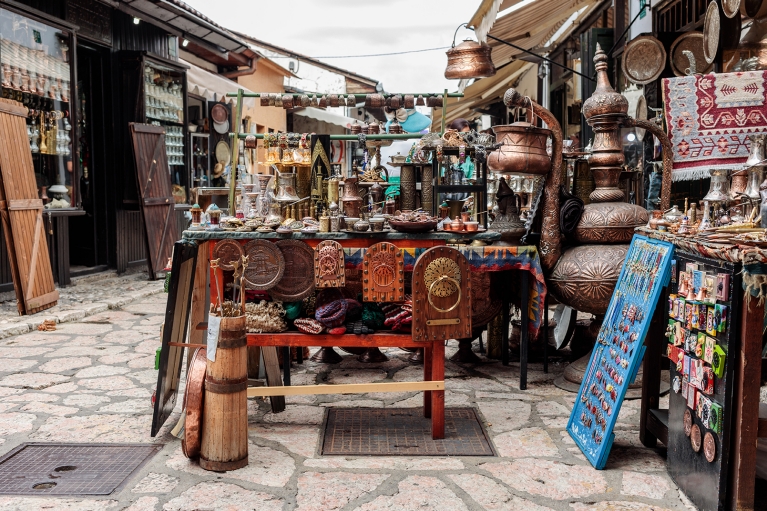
(644, 59)
(711, 33)
(413, 227)
(266, 265)
(219, 113)
(227, 251)
(193, 403)
(297, 281)
(730, 8)
(692, 41)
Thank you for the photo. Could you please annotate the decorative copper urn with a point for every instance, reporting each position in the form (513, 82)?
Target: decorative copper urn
(351, 199)
(469, 60)
(523, 149)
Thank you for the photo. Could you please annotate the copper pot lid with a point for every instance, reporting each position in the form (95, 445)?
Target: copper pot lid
(730, 7)
(644, 59)
(711, 32)
(265, 265)
(227, 251)
(696, 439)
(193, 402)
(298, 279)
(219, 113)
(692, 41)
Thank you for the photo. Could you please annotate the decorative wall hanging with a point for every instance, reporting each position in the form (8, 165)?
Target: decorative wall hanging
(329, 268)
(297, 281)
(644, 60)
(441, 296)
(227, 251)
(619, 348)
(383, 273)
(265, 265)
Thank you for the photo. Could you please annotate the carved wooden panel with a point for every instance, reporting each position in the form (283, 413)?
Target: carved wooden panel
(383, 273)
(298, 279)
(265, 264)
(329, 264)
(227, 252)
(441, 295)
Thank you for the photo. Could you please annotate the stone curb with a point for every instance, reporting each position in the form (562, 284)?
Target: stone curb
(30, 323)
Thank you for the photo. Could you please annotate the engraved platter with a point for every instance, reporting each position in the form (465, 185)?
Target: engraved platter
(644, 59)
(383, 273)
(297, 281)
(687, 422)
(709, 447)
(227, 251)
(193, 403)
(692, 41)
(329, 270)
(266, 265)
(695, 438)
(711, 33)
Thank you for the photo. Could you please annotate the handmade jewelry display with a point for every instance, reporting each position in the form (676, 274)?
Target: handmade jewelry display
(619, 349)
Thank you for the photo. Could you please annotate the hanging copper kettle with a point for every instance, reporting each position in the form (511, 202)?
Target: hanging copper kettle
(522, 150)
(469, 59)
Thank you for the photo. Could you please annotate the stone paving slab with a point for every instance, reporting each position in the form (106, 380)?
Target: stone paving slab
(92, 379)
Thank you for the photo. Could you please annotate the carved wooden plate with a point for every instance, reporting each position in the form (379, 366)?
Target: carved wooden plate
(193, 403)
(383, 273)
(329, 270)
(711, 32)
(266, 264)
(297, 281)
(644, 59)
(227, 251)
(692, 41)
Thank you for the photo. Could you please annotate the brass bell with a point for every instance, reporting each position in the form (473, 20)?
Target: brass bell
(469, 59)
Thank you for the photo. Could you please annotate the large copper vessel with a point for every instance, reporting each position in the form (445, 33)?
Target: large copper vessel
(610, 222)
(523, 149)
(469, 60)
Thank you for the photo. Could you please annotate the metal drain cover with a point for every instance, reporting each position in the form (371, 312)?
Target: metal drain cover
(70, 469)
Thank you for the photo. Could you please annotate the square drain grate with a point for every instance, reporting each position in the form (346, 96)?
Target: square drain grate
(70, 469)
(402, 432)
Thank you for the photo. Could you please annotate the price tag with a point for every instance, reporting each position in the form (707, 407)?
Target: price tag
(214, 325)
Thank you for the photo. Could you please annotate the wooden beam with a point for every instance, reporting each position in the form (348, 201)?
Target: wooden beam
(350, 388)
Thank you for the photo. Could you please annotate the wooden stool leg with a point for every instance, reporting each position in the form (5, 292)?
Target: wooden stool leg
(427, 376)
(524, 335)
(438, 396)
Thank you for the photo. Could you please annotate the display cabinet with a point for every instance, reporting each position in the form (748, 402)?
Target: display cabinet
(36, 69)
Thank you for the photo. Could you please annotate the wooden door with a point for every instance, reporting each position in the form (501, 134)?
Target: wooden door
(22, 214)
(155, 194)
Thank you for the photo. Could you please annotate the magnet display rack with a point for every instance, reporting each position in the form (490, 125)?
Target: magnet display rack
(704, 482)
(240, 94)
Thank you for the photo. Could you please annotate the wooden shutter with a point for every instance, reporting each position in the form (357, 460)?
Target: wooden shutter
(22, 214)
(155, 192)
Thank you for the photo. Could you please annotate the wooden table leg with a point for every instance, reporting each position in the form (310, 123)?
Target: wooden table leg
(524, 335)
(748, 365)
(286, 366)
(199, 312)
(545, 327)
(438, 396)
(427, 376)
(505, 319)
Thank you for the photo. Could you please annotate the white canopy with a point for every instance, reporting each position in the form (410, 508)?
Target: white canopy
(202, 82)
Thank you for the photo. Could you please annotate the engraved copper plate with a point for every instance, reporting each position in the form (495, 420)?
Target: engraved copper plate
(219, 113)
(692, 41)
(730, 7)
(297, 281)
(265, 265)
(711, 33)
(695, 438)
(687, 420)
(193, 402)
(329, 268)
(644, 60)
(709, 447)
(227, 252)
(383, 273)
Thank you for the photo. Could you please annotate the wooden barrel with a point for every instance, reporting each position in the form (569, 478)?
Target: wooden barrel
(225, 415)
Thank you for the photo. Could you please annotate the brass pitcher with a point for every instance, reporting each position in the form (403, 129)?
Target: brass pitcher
(351, 199)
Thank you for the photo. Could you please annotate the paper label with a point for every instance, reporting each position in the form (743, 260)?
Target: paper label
(214, 325)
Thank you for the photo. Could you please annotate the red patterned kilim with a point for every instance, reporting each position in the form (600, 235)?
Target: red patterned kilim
(709, 118)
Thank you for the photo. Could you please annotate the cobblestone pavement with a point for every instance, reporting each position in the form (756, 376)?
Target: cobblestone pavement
(91, 381)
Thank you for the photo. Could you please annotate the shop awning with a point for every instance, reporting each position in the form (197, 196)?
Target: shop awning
(209, 85)
(482, 93)
(325, 116)
(528, 24)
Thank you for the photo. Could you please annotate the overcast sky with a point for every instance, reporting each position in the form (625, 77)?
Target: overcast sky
(356, 27)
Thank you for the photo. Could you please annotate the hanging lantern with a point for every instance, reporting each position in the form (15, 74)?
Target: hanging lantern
(469, 59)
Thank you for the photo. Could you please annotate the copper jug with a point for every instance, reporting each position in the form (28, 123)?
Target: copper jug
(523, 149)
(469, 59)
(351, 199)
(286, 188)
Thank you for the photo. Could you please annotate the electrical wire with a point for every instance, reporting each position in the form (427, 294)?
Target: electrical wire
(370, 55)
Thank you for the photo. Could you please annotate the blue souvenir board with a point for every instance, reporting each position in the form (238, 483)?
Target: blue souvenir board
(620, 347)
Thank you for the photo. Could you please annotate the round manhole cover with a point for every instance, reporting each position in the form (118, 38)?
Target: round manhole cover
(43, 486)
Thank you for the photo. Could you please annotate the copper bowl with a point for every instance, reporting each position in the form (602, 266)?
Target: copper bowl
(523, 149)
